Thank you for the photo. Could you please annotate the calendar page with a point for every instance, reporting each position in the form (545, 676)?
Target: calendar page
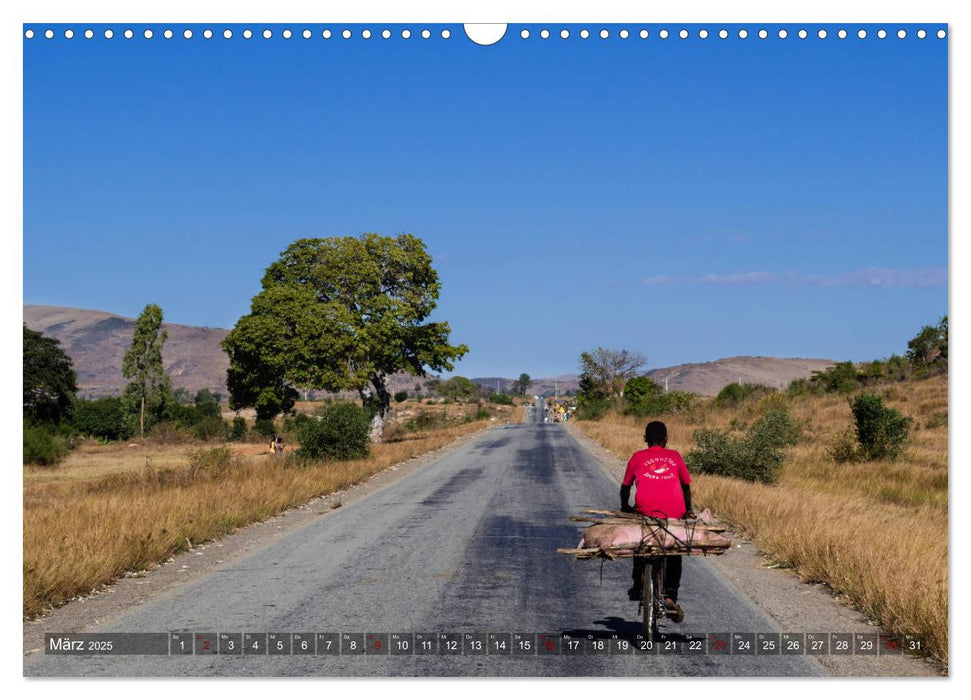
(521, 349)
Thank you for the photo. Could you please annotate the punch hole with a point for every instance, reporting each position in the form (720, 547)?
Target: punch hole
(585, 33)
(683, 34)
(488, 34)
(624, 33)
(902, 34)
(743, 34)
(941, 34)
(841, 33)
(604, 33)
(168, 34)
(763, 34)
(346, 33)
(148, 34)
(207, 34)
(405, 33)
(386, 34)
(783, 33)
(861, 33)
(524, 34)
(228, 34)
(882, 34)
(446, 34)
(663, 34)
(287, 34)
(703, 33)
(89, 34)
(307, 33)
(29, 34)
(68, 33)
(821, 33)
(723, 34)
(921, 34)
(327, 34)
(247, 34)
(109, 34)
(366, 34)
(803, 33)
(565, 34)
(544, 34)
(129, 33)
(644, 34)
(425, 34)
(49, 34)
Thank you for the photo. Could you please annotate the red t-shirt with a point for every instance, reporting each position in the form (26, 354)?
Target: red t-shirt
(658, 474)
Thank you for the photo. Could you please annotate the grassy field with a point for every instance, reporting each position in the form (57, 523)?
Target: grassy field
(875, 532)
(108, 510)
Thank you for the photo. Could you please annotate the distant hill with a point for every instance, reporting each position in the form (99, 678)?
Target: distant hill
(708, 378)
(96, 342)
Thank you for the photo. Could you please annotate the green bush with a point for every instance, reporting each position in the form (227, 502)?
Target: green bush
(843, 447)
(638, 389)
(43, 447)
(480, 414)
(733, 394)
(400, 396)
(592, 409)
(426, 420)
(211, 428)
(341, 432)
(238, 431)
(881, 431)
(101, 418)
(504, 399)
(266, 427)
(755, 455)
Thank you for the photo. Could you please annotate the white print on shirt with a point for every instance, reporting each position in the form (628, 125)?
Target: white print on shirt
(659, 468)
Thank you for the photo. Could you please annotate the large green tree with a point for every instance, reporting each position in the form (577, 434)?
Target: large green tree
(522, 384)
(335, 314)
(146, 394)
(50, 382)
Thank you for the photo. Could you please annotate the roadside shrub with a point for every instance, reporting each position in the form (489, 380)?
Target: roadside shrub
(266, 427)
(843, 447)
(426, 420)
(733, 394)
(400, 396)
(755, 455)
(341, 432)
(841, 378)
(638, 389)
(592, 409)
(881, 431)
(238, 431)
(42, 447)
(480, 414)
(211, 428)
(504, 399)
(100, 418)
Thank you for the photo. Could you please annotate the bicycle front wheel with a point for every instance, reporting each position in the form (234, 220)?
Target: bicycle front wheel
(649, 603)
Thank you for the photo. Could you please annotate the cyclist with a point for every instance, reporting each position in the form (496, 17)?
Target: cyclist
(663, 491)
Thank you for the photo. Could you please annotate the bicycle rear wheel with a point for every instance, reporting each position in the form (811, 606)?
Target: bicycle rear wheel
(649, 603)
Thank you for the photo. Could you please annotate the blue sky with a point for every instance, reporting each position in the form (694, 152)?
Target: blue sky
(688, 199)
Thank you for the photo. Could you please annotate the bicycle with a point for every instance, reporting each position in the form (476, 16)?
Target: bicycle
(652, 596)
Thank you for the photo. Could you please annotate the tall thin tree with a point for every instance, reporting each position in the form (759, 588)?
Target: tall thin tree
(143, 363)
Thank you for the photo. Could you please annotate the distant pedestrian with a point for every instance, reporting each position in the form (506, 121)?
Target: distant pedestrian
(273, 444)
(279, 446)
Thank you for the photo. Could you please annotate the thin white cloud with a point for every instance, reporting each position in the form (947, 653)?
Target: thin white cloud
(869, 277)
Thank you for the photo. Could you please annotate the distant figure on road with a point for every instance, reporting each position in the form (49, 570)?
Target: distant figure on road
(273, 444)
(663, 491)
(279, 446)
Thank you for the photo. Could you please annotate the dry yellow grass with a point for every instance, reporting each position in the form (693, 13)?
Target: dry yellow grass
(99, 522)
(874, 532)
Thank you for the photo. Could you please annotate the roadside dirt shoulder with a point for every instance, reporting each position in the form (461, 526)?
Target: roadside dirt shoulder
(794, 605)
(116, 598)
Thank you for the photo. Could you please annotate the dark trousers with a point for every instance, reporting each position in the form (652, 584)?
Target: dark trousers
(672, 575)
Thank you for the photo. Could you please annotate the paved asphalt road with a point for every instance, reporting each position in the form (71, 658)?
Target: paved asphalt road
(465, 544)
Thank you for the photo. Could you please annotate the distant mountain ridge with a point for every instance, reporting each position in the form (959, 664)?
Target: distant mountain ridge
(96, 342)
